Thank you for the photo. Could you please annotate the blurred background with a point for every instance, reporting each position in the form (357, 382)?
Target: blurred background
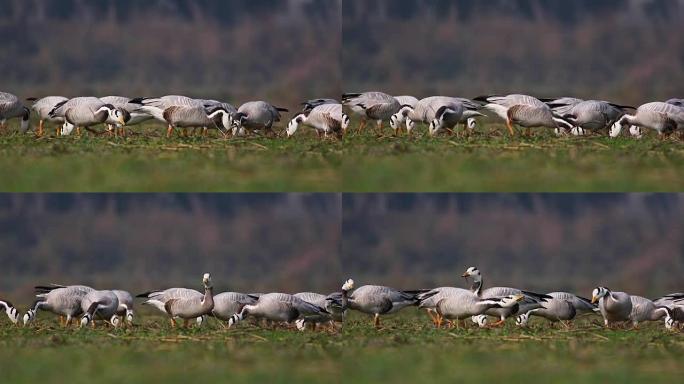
(629, 51)
(249, 242)
(283, 51)
(543, 242)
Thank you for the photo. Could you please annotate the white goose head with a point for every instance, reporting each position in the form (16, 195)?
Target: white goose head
(471, 123)
(598, 293)
(348, 285)
(345, 122)
(206, 280)
(615, 129)
(294, 124)
(11, 312)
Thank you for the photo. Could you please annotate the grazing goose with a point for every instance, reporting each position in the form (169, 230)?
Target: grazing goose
(11, 107)
(447, 117)
(226, 304)
(156, 106)
(43, 107)
(562, 105)
(331, 303)
(134, 114)
(644, 309)
(213, 105)
(530, 301)
(465, 304)
(523, 110)
(563, 306)
(313, 103)
(278, 307)
(158, 299)
(377, 106)
(60, 300)
(425, 111)
(430, 299)
(592, 115)
(662, 117)
(614, 306)
(125, 309)
(102, 305)
(325, 119)
(180, 116)
(10, 310)
(85, 112)
(256, 116)
(377, 300)
(407, 100)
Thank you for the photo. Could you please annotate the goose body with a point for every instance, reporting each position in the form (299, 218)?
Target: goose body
(125, 308)
(644, 309)
(100, 305)
(466, 304)
(523, 110)
(191, 307)
(226, 304)
(429, 300)
(278, 307)
(256, 116)
(593, 115)
(11, 107)
(614, 306)
(158, 299)
(406, 100)
(331, 303)
(182, 116)
(324, 118)
(563, 306)
(42, 108)
(426, 111)
(58, 299)
(85, 112)
(156, 106)
(10, 310)
(377, 300)
(664, 118)
(376, 106)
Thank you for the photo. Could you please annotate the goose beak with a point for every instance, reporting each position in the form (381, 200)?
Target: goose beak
(594, 299)
(519, 297)
(122, 121)
(465, 274)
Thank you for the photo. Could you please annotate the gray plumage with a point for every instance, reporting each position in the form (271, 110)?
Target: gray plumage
(377, 300)
(563, 306)
(136, 114)
(313, 103)
(425, 111)
(156, 106)
(324, 118)
(278, 307)
(11, 107)
(562, 105)
(376, 106)
(523, 110)
(407, 100)
(331, 303)
(644, 309)
(256, 116)
(677, 102)
(430, 299)
(58, 299)
(125, 309)
(100, 305)
(465, 304)
(614, 306)
(180, 116)
(661, 117)
(86, 112)
(582, 305)
(226, 304)
(43, 106)
(593, 115)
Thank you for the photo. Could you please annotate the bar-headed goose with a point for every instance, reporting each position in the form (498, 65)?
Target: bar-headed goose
(326, 119)
(563, 306)
(313, 103)
(524, 110)
(133, 113)
(644, 309)
(61, 300)
(42, 107)
(278, 307)
(425, 111)
(10, 310)
(591, 115)
(331, 303)
(429, 300)
(125, 309)
(664, 118)
(448, 116)
(159, 298)
(100, 305)
(156, 106)
(531, 300)
(226, 304)
(377, 106)
(11, 107)
(191, 307)
(256, 116)
(465, 304)
(614, 306)
(677, 102)
(86, 112)
(181, 116)
(377, 300)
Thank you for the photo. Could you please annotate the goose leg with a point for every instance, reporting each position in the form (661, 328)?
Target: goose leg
(362, 125)
(78, 131)
(509, 125)
(61, 321)
(498, 323)
(173, 322)
(376, 320)
(185, 323)
(432, 318)
(378, 125)
(169, 129)
(41, 124)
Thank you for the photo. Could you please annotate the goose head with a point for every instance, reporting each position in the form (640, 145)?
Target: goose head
(115, 321)
(206, 280)
(577, 131)
(345, 122)
(294, 124)
(521, 321)
(28, 316)
(471, 123)
(226, 117)
(129, 316)
(114, 115)
(86, 319)
(480, 320)
(615, 129)
(238, 121)
(25, 118)
(598, 293)
(472, 272)
(635, 131)
(67, 128)
(410, 124)
(348, 285)
(11, 312)
(398, 118)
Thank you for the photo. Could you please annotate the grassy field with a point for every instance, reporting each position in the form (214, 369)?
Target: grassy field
(148, 161)
(407, 349)
(490, 160)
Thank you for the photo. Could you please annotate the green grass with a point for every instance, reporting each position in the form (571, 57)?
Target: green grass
(407, 349)
(148, 161)
(491, 161)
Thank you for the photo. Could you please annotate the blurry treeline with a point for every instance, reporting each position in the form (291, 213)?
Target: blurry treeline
(236, 50)
(624, 50)
(546, 242)
(249, 242)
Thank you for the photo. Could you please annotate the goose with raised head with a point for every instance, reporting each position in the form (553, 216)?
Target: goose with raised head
(326, 119)
(376, 106)
(614, 306)
(377, 300)
(61, 300)
(42, 107)
(525, 111)
(278, 307)
(100, 305)
(256, 116)
(11, 107)
(10, 310)
(530, 301)
(191, 307)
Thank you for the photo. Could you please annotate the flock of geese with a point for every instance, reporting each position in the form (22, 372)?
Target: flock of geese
(307, 310)
(565, 115)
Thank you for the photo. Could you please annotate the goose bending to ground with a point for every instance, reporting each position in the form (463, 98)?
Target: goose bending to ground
(331, 303)
(86, 112)
(11, 107)
(429, 300)
(465, 304)
(561, 105)
(563, 306)
(226, 304)
(313, 103)
(125, 309)
(43, 107)
(530, 301)
(591, 115)
(377, 300)
(448, 116)
(425, 111)
(180, 116)
(525, 111)
(158, 299)
(644, 309)
(675, 302)
(61, 300)
(10, 310)
(134, 114)
(377, 106)
(325, 119)
(664, 118)
(256, 116)
(614, 306)
(155, 106)
(278, 307)
(101, 305)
